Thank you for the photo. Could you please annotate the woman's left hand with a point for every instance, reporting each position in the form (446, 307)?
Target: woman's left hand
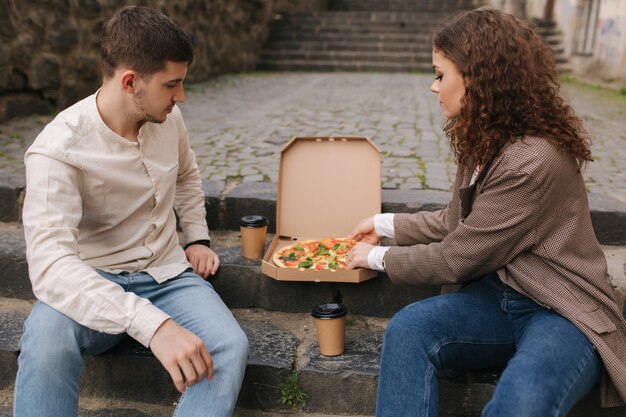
(357, 257)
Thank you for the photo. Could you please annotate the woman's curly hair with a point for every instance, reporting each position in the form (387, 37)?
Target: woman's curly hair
(511, 88)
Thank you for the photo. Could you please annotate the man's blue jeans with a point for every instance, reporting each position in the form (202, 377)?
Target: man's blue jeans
(550, 364)
(53, 346)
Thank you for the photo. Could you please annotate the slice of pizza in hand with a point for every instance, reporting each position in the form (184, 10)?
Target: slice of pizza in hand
(316, 254)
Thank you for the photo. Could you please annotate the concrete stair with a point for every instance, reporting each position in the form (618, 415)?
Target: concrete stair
(369, 35)
(403, 5)
(275, 316)
(350, 41)
(554, 37)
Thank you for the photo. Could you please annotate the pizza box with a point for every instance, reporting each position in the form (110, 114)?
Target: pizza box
(326, 185)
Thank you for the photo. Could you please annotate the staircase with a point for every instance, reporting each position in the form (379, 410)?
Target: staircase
(354, 35)
(370, 35)
(129, 382)
(554, 37)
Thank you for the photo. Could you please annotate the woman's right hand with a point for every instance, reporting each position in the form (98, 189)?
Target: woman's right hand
(365, 232)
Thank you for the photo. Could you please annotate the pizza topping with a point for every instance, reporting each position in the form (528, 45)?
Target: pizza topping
(291, 257)
(306, 264)
(321, 250)
(333, 264)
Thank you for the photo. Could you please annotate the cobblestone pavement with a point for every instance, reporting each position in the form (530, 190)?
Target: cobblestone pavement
(239, 123)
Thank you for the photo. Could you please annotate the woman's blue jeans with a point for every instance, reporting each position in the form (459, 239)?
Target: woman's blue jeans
(53, 346)
(549, 363)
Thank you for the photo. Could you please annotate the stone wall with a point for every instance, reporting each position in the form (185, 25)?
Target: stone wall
(49, 49)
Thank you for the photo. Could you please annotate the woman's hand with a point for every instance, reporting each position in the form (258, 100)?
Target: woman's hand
(365, 232)
(357, 257)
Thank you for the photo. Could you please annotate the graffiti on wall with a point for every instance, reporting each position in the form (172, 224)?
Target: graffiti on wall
(611, 42)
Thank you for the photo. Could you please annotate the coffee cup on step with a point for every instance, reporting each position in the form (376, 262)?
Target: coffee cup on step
(330, 325)
(253, 229)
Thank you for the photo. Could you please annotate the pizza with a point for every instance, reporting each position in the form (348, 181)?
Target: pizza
(315, 254)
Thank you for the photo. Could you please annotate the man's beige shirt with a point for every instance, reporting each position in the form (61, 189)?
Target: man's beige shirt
(95, 200)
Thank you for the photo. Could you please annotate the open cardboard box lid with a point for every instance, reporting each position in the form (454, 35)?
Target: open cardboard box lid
(325, 186)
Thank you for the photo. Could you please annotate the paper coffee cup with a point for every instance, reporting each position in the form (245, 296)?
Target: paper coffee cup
(330, 325)
(253, 230)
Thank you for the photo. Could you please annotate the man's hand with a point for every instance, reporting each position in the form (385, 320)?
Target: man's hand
(365, 232)
(182, 353)
(357, 257)
(203, 260)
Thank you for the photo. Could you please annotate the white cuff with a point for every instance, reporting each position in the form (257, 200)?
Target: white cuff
(383, 225)
(375, 257)
(146, 323)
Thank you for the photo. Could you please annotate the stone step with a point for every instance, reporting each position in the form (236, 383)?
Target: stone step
(402, 5)
(339, 21)
(339, 66)
(329, 36)
(99, 407)
(406, 57)
(358, 32)
(279, 344)
(308, 41)
(121, 373)
(352, 29)
(241, 284)
(105, 407)
(315, 45)
(226, 206)
(339, 16)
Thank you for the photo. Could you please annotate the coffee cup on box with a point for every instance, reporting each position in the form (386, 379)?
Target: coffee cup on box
(253, 229)
(330, 325)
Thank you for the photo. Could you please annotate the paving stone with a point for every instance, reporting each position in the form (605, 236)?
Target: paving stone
(253, 178)
(241, 108)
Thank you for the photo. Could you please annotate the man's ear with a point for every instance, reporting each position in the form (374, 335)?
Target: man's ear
(128, 80)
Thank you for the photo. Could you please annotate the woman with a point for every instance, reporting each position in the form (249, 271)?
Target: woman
(517, 235)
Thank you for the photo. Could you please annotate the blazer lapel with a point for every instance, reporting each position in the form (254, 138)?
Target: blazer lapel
(466, 195)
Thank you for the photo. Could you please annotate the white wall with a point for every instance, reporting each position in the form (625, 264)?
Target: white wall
(608, 59)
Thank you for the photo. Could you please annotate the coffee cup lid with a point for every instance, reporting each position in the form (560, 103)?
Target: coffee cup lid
(329, 311)
(253, 221)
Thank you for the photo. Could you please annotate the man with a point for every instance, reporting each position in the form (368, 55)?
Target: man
(104, 255)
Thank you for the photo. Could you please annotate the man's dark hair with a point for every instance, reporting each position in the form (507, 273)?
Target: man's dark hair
(143, 39)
